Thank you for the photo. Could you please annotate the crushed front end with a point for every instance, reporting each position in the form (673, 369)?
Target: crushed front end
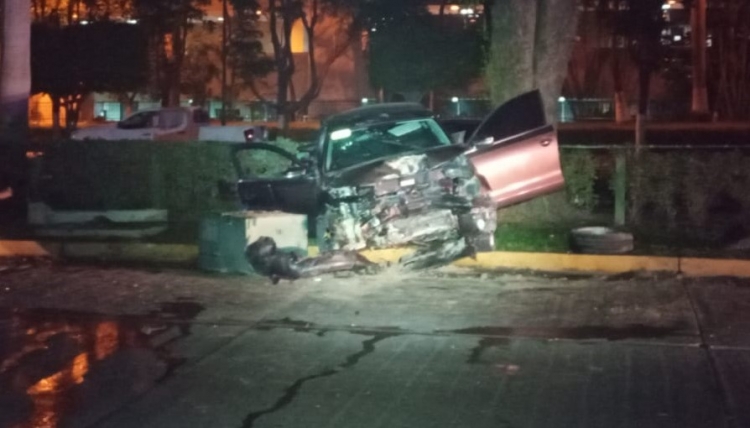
(425, 200)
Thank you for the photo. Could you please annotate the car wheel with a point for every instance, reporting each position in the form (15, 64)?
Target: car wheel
(600, 240)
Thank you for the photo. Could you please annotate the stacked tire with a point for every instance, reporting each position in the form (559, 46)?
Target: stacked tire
(600, 240)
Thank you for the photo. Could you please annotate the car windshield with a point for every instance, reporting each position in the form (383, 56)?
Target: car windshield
(346, 147)
(139, 120)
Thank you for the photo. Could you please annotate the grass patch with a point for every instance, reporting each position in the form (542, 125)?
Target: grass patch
(532, 238)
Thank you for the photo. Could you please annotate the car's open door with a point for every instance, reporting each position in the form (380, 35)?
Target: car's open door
(515, 153)
(291, 188)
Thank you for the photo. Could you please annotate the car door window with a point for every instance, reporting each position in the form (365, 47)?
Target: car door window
(141, 120)
(172, 119)
(517, 116)
(273, 179)
(262, 162)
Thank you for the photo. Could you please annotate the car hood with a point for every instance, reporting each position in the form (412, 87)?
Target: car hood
(404, 165)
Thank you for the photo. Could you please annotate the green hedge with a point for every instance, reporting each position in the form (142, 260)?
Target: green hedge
(181, 177)
(694, 193)
(698, 193)
(184, 177)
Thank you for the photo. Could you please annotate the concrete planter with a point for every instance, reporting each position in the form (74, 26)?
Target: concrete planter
(40, 214)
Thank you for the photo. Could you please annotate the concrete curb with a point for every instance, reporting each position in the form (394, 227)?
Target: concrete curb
(131, 252)
(548, 262)
(29, 249)
(690, 266)
(111, 251)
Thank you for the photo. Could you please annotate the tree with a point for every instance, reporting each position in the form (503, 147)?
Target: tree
(201, 64)
(68, 12)
(246, 57)
(530, 45)
(72, 61)
(331, 20)
(425, 55)
(15, 64)
(167, 23)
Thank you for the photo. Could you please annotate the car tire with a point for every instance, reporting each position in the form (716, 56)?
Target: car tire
(600, 240)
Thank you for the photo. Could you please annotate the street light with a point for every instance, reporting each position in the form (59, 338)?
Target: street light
(455, 101)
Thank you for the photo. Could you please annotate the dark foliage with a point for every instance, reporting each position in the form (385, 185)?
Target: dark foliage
(71, 61)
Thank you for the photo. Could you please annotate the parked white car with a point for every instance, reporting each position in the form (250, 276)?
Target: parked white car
(166, 124)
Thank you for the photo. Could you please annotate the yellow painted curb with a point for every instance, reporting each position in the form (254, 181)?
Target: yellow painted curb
(552, 262)
(139, 252)
(28, 249)
(714, 267)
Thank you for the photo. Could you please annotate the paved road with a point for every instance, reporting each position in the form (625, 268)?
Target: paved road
(104, 347)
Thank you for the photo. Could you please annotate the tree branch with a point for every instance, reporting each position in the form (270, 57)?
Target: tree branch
(255, 91)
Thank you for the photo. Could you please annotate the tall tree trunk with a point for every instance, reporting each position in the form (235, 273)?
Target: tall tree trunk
(530, 46)
(644, 89)
(621, 102)
(510, 66)
(699, 34)
(282, 101)
(556, 27)
(621, 107)
(55, 115)
(15, 68)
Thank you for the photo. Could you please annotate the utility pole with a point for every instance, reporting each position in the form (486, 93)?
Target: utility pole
(224, 23)
(699, 36)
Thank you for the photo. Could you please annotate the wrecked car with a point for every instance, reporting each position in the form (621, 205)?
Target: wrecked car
(389, 175)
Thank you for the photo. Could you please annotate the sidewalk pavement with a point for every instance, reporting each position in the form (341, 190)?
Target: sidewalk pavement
(441, 348)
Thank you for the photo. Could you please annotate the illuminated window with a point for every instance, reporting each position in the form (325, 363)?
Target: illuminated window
(300, 41)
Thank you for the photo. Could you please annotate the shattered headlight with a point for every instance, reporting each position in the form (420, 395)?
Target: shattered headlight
(459, 167)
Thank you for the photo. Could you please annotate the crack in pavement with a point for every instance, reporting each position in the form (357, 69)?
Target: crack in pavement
(720, 388)
(290, 393)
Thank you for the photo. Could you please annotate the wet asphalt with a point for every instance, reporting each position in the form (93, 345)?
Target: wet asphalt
(86, 346)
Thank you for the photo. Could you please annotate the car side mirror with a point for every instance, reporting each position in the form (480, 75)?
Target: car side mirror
(304, 167)
(488, 141)
(260, 134)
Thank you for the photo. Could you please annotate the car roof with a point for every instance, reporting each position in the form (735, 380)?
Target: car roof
(386, 112)
(180, 108)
